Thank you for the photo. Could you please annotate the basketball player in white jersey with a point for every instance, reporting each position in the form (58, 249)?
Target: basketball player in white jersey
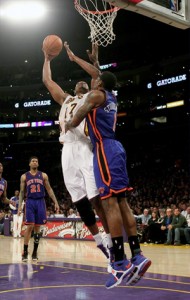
(17, 218)
(78, 173)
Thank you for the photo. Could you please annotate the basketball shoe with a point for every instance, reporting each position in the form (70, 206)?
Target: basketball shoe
(24, 256)
(34, 256)
(120, 270)
(141, 264)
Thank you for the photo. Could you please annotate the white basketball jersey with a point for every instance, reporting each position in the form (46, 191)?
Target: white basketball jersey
(68, 110)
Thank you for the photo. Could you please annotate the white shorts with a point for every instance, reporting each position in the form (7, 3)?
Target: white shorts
(78, 173)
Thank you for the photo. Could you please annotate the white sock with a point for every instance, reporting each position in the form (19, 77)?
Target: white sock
(109, 240)
(98, 238)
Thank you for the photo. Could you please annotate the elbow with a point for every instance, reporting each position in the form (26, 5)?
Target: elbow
(46, 81)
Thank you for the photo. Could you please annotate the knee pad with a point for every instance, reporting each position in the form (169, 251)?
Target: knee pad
(86, 212)
(36, 238)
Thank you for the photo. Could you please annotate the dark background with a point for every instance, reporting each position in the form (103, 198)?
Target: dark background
(137, 37)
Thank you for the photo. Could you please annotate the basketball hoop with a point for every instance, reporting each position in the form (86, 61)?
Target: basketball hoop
(100, 16)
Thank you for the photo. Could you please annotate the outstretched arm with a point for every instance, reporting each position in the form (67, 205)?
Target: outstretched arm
(89, 68)
(93, 56)
(55, 90)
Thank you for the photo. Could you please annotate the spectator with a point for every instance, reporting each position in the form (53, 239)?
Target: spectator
(145, 217)
(184, 209)
(187, 229)
(165, 223)
(144, 223)
(71, 213)
(178, 224)
(155, 232)
(149, 230)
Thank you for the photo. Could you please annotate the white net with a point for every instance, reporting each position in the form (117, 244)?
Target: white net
(100, 16)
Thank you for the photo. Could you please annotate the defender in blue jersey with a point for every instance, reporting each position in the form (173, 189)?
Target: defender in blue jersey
(100, 108)
(34, 183)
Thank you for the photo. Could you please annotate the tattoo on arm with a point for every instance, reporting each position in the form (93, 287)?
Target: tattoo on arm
(81, 114)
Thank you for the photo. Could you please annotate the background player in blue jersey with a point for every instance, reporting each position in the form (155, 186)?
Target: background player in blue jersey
(3, 188)
(100, 108)
(34, 183)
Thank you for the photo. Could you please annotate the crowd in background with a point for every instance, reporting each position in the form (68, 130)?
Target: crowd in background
(156, 193)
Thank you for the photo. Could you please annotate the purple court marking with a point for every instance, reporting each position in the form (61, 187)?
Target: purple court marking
(57, 280)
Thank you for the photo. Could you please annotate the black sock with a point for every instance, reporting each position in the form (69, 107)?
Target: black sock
(134, 245)
(118, 248)
(36, 242)
(25, 248)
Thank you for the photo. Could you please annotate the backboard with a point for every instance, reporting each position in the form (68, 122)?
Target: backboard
(172, 12)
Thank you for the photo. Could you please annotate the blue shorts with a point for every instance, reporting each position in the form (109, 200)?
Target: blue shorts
(110, 168)
(35, 212)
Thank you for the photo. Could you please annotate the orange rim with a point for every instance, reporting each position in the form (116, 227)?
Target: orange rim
(100, 12)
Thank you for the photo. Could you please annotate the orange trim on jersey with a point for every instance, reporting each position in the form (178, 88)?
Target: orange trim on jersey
(119, 191)
(115, 192)
(92, 122)
(100, 148)
(105, 197)
(100, 164)
(95, 128)
(28, 223)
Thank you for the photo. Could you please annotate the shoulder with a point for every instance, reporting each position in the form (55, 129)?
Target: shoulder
(23, 176)
(44, 175)
(96, 97)
(96, 93)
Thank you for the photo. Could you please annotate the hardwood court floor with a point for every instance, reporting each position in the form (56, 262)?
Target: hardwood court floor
(69, 269)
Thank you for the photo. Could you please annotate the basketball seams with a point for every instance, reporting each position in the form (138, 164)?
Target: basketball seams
(52, 44)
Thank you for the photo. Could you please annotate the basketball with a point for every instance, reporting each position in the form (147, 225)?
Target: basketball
(52, 45)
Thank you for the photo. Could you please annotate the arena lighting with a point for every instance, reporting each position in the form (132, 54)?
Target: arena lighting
(6, 125)
(103, 67)
(175, 104)
(19, 11)
(121, 114)
(169, 105)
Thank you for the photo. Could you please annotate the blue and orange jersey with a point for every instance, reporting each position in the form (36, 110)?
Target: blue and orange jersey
(3, 184)
(35, 186)
(102, 120)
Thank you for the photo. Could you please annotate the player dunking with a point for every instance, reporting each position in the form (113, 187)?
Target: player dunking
(100, 108)
(34, 182)
(77, 172)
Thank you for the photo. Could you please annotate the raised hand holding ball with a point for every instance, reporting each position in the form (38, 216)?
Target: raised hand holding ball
(52, 45)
